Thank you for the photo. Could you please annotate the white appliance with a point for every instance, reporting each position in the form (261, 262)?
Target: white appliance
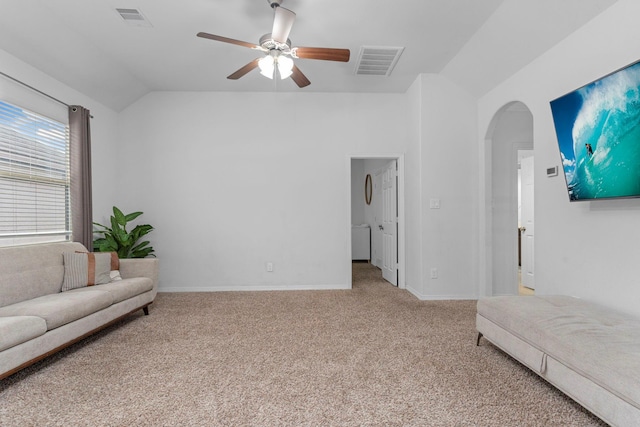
(360, 242)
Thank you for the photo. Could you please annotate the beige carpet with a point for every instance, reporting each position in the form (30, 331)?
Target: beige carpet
(372, 356)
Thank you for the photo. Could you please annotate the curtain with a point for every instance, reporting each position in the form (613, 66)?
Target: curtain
(80, 161)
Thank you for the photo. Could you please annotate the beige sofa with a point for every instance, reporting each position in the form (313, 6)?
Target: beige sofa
(589, 352)
(37, 319)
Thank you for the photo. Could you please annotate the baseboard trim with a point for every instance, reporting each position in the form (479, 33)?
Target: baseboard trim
(239, 288)
(427, 297)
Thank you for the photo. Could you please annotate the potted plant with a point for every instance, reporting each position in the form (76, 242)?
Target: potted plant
(117, 239)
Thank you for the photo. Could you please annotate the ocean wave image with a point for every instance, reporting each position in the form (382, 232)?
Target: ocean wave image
(598, 129)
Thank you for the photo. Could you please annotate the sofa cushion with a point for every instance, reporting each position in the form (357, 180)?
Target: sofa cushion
(15, 330)
(61, 308)
(598, 343)
(32, 271)
(122, 289)
(85, 269)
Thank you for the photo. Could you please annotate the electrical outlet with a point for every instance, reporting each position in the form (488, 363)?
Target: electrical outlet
(434, 273)
(270, 267)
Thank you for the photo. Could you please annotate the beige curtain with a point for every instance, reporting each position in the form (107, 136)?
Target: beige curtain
(80, 157)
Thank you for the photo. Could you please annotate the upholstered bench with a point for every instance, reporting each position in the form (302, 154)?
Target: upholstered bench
(589, 352)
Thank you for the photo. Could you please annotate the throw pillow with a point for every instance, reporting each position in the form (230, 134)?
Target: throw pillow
(115, 267)
(115, 261)
(85, 269)
(114, 275)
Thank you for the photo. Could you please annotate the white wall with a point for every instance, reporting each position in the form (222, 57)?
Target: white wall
(103, 124)
(449, 169)
(234, 180)
(357, 191)
(413, 192)
(586, 249)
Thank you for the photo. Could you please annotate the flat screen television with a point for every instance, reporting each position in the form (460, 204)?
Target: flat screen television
(598, 132)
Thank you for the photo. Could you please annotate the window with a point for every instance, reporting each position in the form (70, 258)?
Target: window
(34, 178)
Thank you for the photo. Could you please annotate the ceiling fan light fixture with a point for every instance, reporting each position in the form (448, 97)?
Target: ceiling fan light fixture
(285, 66)
(266, 65)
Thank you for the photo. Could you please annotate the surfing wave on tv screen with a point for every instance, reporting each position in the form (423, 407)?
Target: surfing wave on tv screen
(598, 131)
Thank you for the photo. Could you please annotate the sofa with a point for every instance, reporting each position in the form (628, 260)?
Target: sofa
(589, 352)
(38, 318)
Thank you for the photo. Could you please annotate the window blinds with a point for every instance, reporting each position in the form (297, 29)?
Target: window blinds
(34, 177)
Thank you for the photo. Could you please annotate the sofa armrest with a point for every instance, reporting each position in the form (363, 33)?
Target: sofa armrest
(140, 267)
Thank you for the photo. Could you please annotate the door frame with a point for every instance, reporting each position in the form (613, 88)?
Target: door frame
(399, 158)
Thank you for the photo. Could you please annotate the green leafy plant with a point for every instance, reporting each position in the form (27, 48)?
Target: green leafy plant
(117, 239)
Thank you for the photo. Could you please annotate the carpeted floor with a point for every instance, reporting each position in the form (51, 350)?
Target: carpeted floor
(371, 356)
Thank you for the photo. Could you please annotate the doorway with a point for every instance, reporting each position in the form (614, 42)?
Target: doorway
(510, 132)
(376, 215)
(526, 229)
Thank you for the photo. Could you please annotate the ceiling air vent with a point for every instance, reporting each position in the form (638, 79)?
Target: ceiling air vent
(134, 17)
(377, 61)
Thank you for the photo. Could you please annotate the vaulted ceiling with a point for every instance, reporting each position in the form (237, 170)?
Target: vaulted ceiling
(88, 46)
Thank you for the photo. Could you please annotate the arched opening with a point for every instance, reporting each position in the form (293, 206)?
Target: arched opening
(508, 140)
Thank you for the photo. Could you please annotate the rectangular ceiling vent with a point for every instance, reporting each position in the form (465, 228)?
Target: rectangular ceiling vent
(377, 61)
(134, 17)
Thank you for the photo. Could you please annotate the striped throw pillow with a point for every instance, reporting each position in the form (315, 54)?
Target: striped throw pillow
(115, 267)
(85, 269)
(115, 261)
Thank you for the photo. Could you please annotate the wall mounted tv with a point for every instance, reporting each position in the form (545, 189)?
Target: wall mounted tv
(598, 130)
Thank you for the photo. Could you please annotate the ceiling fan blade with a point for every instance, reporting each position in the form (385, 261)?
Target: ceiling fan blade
(282, 23)
(228, 40)
(244, 70)
(322, 53)
(300, 79)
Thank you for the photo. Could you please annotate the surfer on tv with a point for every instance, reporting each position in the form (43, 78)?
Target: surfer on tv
(589, 149)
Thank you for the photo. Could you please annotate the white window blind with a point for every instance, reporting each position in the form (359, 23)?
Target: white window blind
(34, 177)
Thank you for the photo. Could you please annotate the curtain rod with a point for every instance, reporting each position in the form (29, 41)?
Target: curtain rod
(37, 90)
(34, 89)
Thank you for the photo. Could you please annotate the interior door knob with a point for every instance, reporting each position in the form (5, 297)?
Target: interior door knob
(380, 227)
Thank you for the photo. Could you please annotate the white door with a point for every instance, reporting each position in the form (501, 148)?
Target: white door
(376, 229)
(526, 170)
(389, 226)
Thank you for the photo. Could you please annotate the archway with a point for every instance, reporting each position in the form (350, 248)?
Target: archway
(510, 132)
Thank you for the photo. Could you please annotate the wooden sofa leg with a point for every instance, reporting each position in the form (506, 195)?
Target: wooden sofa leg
(478, 340)
(145, 309)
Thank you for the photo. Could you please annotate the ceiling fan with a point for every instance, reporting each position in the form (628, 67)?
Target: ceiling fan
(278, 51)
